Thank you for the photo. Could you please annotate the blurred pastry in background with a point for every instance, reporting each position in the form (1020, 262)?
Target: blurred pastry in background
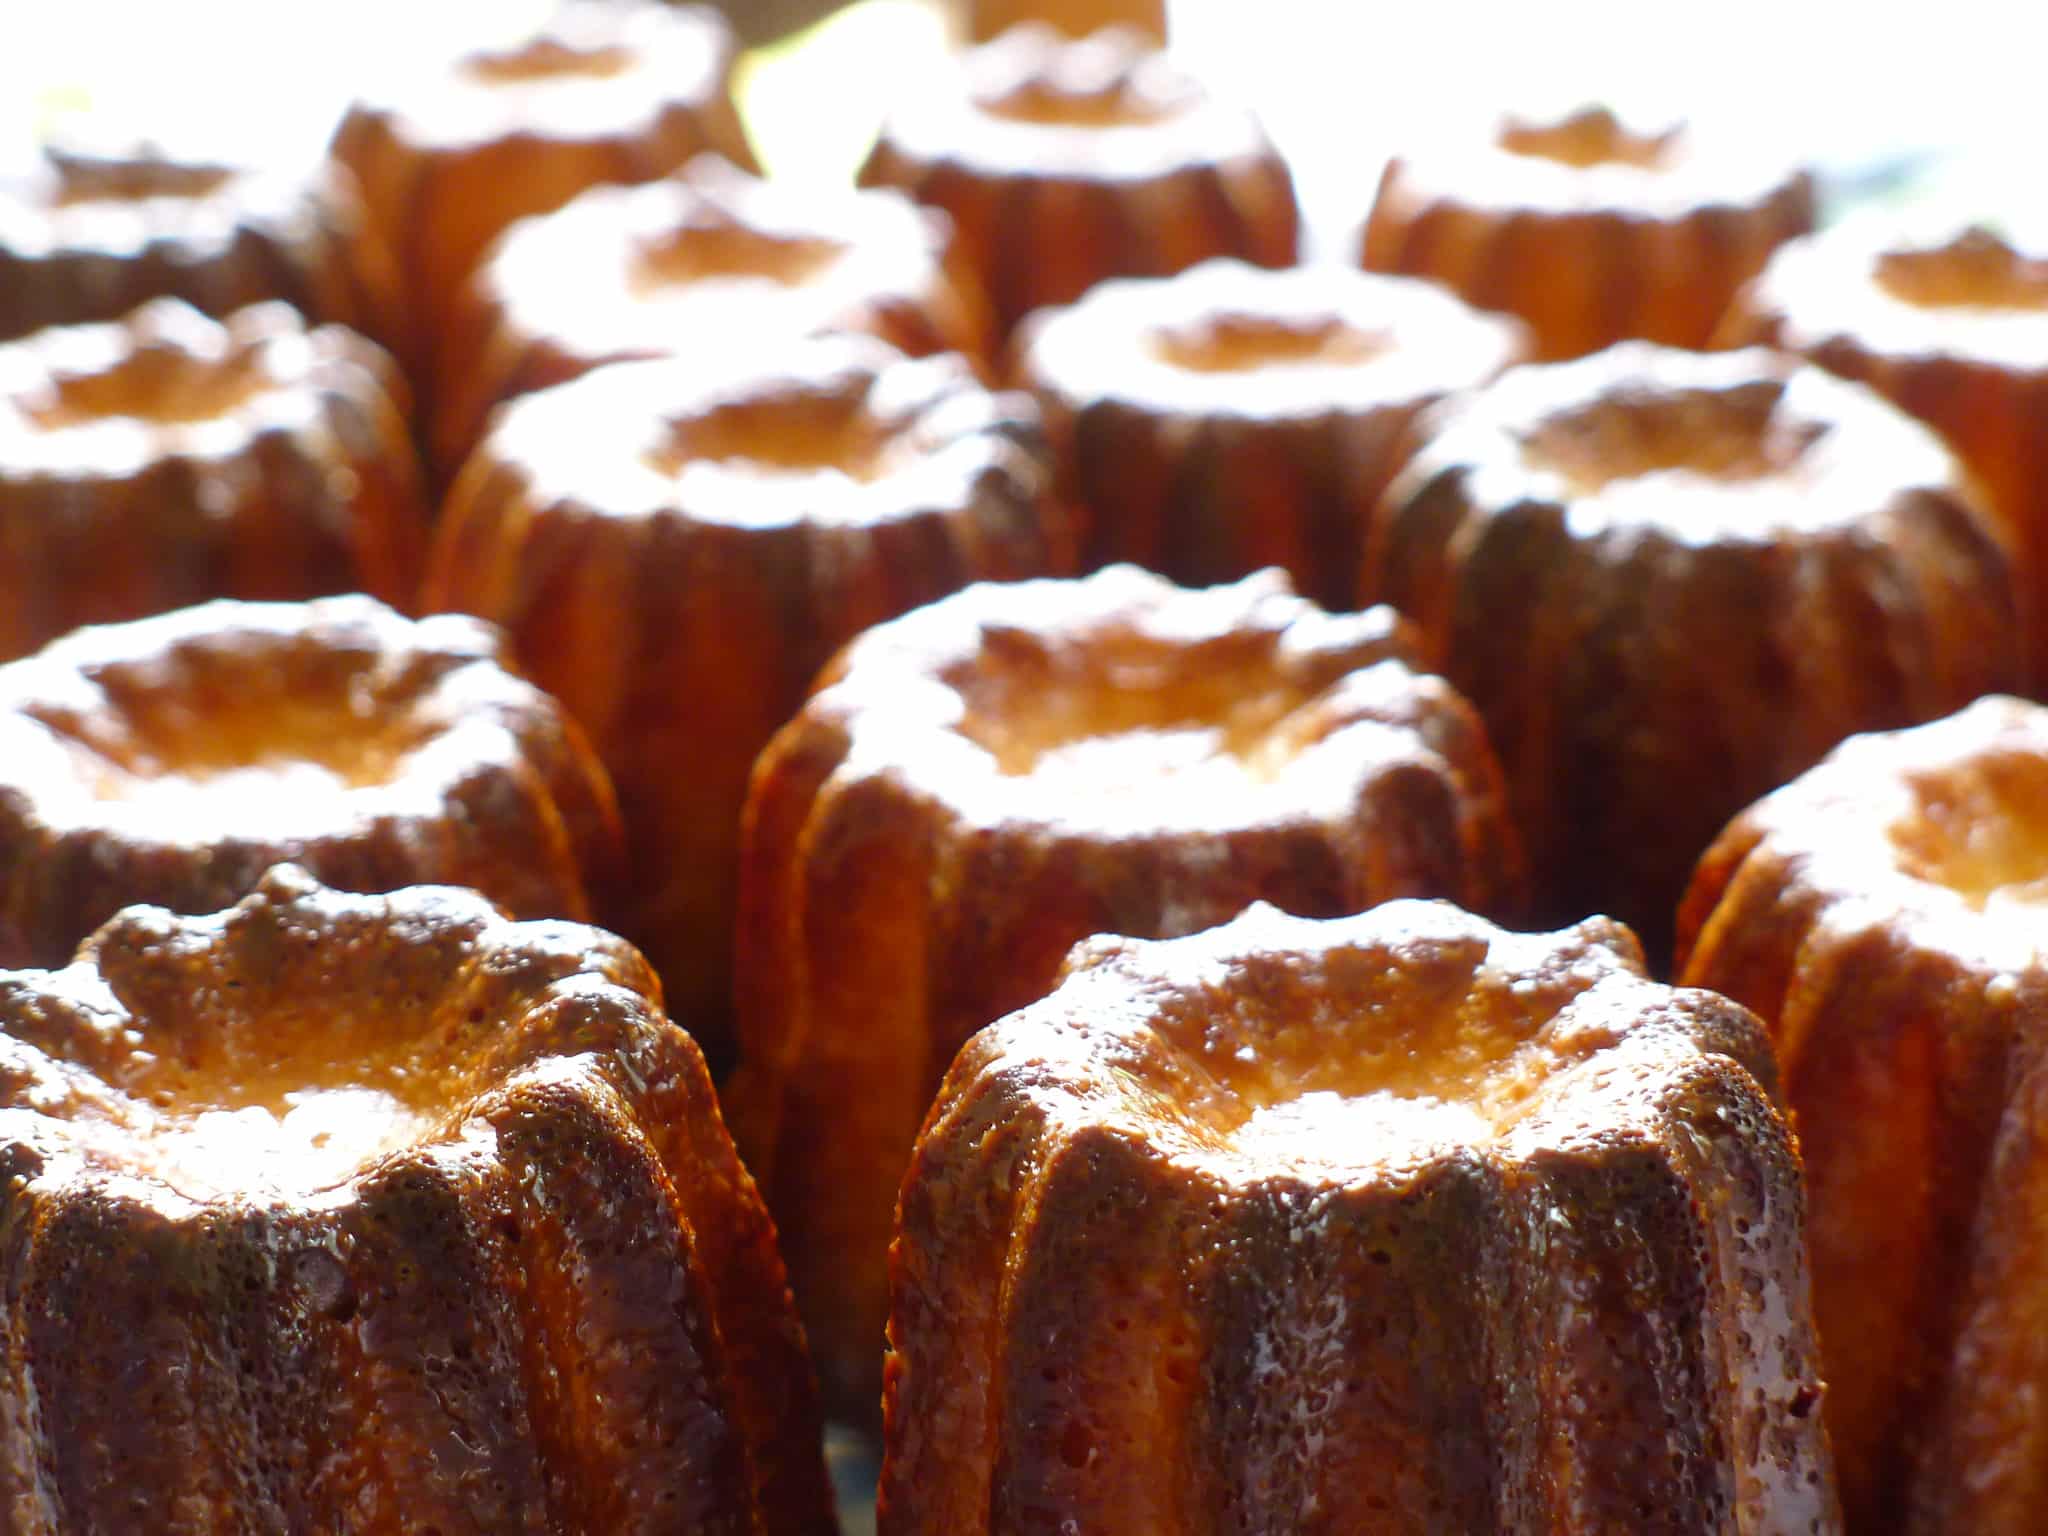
(1591, 228)
(1231, 417)
(167, 458)
(1065, 162)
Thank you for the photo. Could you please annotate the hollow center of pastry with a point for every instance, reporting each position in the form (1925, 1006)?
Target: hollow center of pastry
(1251, 343)
(159, 385)
(1373, 1059)
(292, 1102)
(1113, 104)
(548, 59)
(86, 179)
(1587, 139)
(1674, 445)
(729, 253)
(259, 762)
(1975, 271)
(767, 459)
(1127, 718)
(1982, 834)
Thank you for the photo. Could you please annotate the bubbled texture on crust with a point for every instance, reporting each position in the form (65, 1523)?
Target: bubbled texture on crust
(468, 775)
(707, 262)
(902, 884)
(88, 235)
(1231, 418)
(1951, 328)
(168, 458)
(680, 612)
(1043, 210)
(1654, 652)
(1110, 1310)
(1909, 1009)
(555, 1307)
(598, 93)
(1647, 234)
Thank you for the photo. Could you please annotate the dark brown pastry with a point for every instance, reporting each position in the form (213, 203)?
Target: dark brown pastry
(167, 458)
(980, 784)
(1671, 581)
(175, 759)
(1883, 914)
(675, 552)
(1592, 229)
(1398, 1223)
(1065, 162)
(1232, 418)
(381, 1213)
(711, 263)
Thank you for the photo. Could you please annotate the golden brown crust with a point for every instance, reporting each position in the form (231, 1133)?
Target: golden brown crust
(174, 760)
(1231, 418)
(979, 785)
(1554, 1282)
(1880, 913)
(558, 1265)
(89, 233)
(1591, 229)
(675, 555)
(1670, 583)
(707, 260)
(168, 458)
(597, 93)
(1064, 162)
(1951, 326)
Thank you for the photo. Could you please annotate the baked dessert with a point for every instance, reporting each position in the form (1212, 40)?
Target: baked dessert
(1952, 327)
(1396, 1223)
(977, 786)
(709, 261)
(173, 760)
(1671, 582)
(598, 92)
(1232, 418)
(167, 458)
(675, 552)
(342, 1212)
(1063, 162)
(1590, 228)
(1881, 913)
(89, 232)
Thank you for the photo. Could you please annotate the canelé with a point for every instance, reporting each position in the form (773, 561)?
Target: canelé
(1397, 1223)
(1063, 162)
(335, 1212)
(675, 551)
(1591, 228)
(709, 263)
(977, 786)
(173, 760)
(1883, 914)
(167, 458)
(1671, 582)
(1231, 418)
(1952, 327)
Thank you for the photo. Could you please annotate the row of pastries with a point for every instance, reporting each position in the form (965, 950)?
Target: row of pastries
(1163, 785)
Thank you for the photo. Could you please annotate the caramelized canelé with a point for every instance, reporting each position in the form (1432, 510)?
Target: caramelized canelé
(1672, 581)
(1951, 327)
(1397, 1222)
(978, 785)
(175, 759)
(168, 458)
(333, 1212)
(675, 552)
(1883, 914)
